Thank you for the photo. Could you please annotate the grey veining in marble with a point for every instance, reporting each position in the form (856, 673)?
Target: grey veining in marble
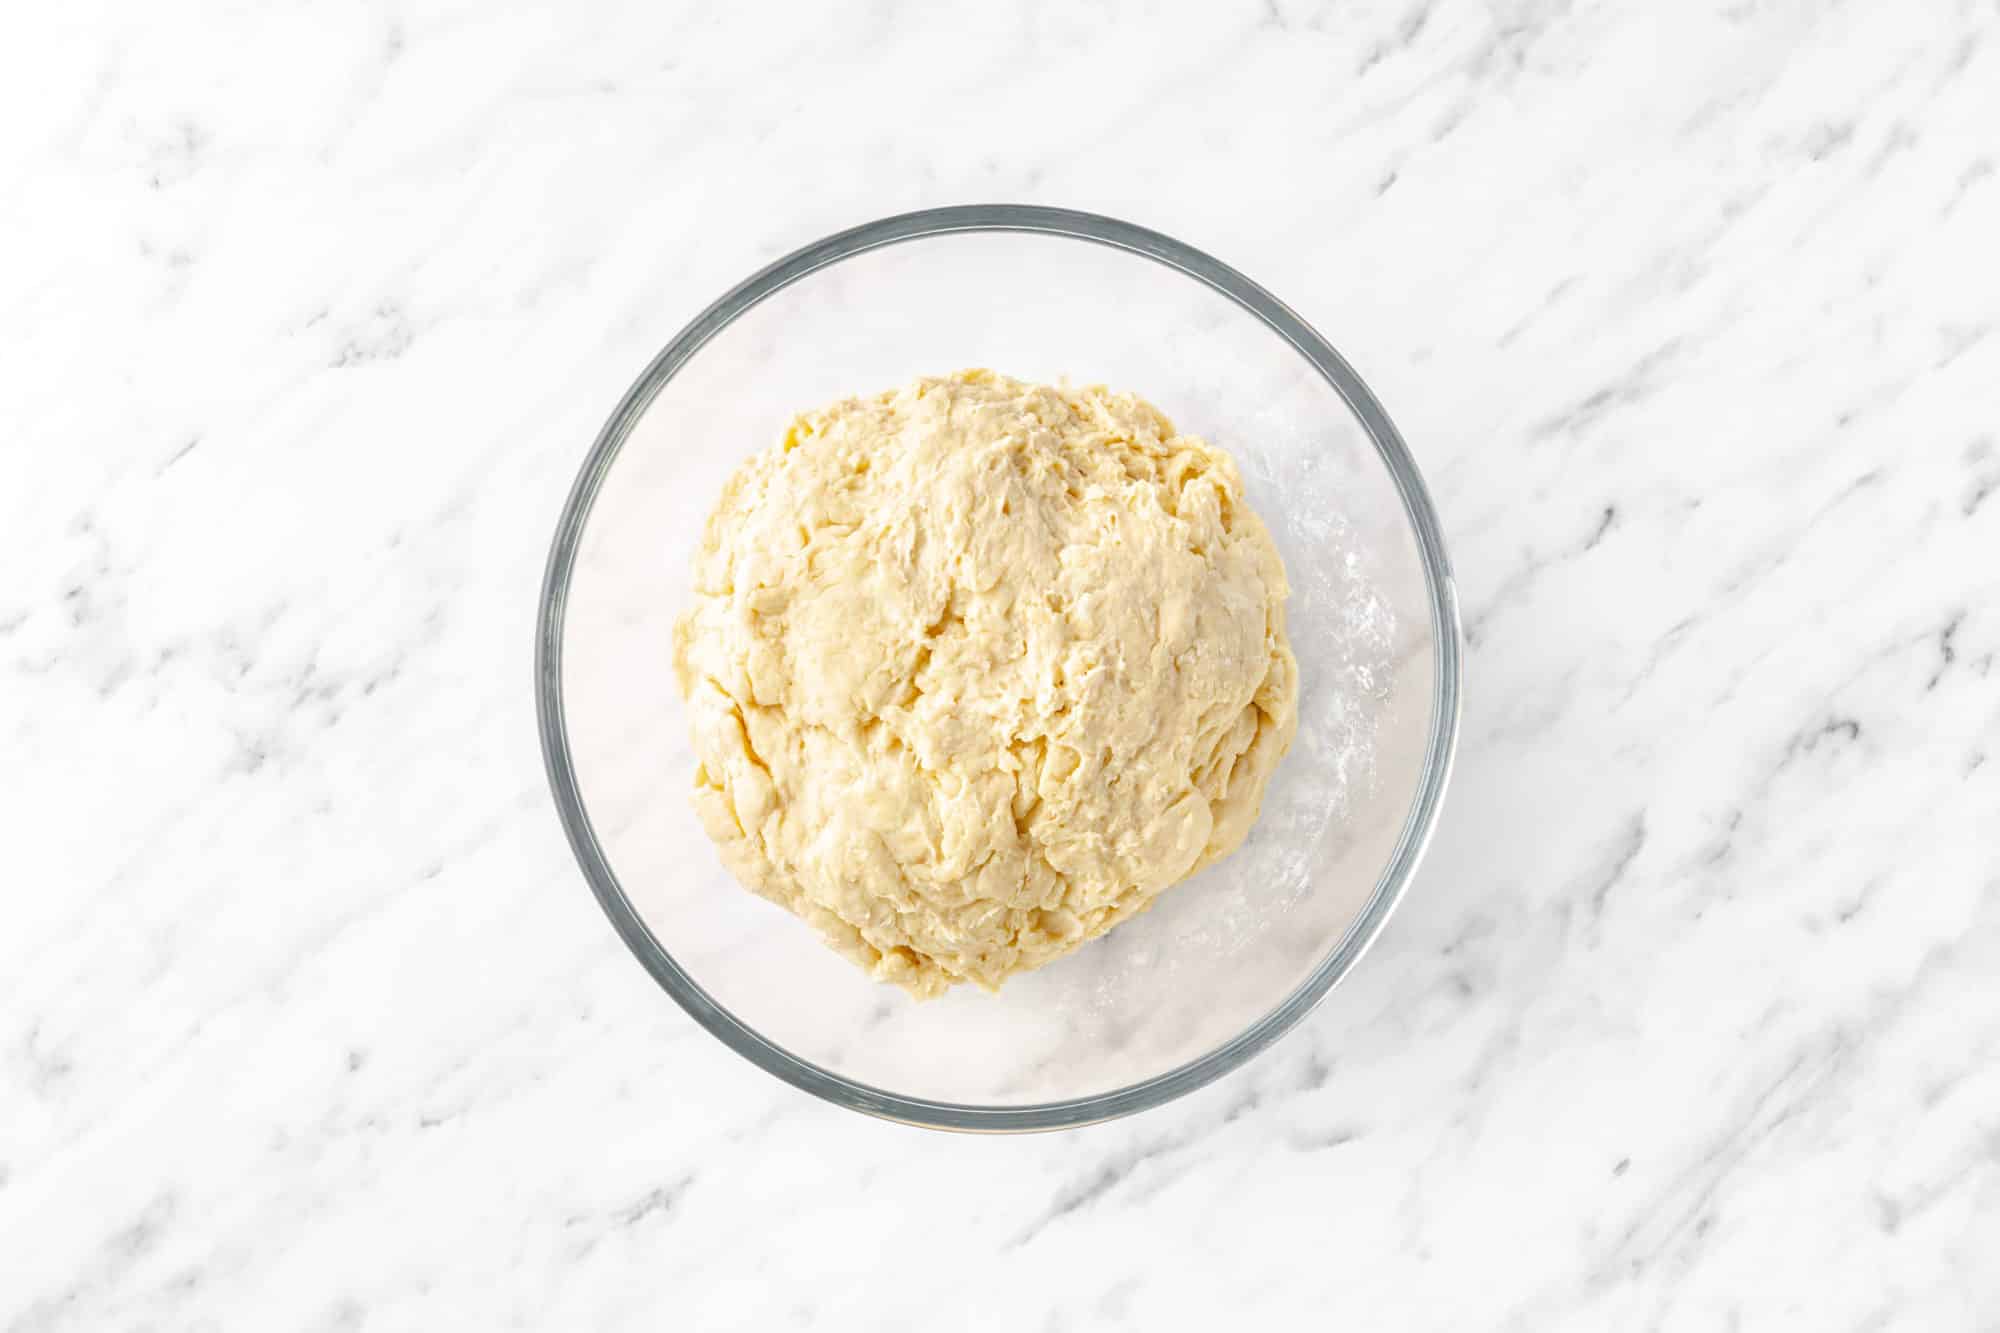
(1690, 314)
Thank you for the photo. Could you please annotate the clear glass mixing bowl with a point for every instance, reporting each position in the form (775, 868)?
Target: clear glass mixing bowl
(1226, 962)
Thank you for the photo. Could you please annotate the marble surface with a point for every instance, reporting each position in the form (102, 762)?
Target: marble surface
(1689, 313)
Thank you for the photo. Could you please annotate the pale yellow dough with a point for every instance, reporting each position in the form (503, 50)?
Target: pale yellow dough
(976, 668)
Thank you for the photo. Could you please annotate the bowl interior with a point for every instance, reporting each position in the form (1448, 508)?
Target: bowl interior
(1218, 952)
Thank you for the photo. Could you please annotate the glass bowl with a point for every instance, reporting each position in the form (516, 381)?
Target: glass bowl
(1227, 961)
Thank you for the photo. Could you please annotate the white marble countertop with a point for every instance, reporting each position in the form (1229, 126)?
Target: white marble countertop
(1689, 313)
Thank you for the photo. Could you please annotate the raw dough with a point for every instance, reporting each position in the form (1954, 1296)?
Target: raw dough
(977, 668)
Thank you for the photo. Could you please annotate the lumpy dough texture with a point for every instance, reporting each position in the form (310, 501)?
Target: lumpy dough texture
(976, 668)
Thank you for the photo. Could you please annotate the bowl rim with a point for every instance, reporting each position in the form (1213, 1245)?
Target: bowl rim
(1419, 822)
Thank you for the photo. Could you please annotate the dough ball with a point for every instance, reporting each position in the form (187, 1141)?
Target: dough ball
(977, 668)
